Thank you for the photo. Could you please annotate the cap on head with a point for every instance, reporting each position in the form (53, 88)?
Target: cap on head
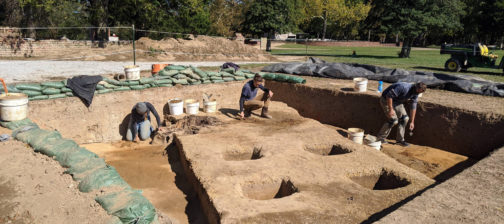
(258, 78)
(420, 87)
(141, 108)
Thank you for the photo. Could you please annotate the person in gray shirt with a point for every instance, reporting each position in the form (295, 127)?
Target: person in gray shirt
(250, 100)
(392, 102)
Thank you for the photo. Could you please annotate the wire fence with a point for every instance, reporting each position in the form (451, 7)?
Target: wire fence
(116, 43)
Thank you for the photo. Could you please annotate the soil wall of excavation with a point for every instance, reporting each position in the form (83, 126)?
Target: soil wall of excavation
(107, 118)
(455, 130)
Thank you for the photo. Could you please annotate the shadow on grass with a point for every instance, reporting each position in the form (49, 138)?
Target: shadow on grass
(499, 73)
(336, 55)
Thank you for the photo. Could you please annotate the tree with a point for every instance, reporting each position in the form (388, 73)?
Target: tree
(340, 12)
(265, 17)
(226, 16)
(411, 18)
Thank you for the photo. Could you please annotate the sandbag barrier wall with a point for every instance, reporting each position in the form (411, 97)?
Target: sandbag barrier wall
(120, 200)
(169, 76)
(459, 131)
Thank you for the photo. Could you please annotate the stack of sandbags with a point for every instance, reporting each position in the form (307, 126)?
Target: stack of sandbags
(194, 76)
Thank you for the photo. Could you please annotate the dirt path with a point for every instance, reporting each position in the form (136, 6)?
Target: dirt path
(33, 189)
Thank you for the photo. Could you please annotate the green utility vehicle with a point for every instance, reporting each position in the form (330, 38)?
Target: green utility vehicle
(469, 55)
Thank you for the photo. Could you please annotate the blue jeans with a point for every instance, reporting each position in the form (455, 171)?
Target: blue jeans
(143, 129)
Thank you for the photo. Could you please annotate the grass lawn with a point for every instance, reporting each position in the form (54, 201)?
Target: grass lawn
(421, 59)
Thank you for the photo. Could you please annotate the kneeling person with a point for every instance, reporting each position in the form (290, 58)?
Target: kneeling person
(139, 123)
(250, 100)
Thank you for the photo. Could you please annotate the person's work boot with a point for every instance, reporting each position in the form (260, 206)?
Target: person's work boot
(247, 113)
(264, 113)
(382, 140)
(403, 143)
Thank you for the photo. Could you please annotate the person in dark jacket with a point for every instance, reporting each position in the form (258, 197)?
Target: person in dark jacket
(140, 122)
(250, 100)
(392, 102)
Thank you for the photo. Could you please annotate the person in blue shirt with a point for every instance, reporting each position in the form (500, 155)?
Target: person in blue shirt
(139, 123)
(250, 100)
(392, 102)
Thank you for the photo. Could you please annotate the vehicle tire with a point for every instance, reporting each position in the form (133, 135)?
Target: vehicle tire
(453, 65)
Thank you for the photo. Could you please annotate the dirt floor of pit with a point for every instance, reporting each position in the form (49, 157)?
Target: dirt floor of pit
(33, 189)
(156, 170)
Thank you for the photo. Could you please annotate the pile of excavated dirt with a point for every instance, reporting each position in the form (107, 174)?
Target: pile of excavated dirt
(33, 189)
(200, 48)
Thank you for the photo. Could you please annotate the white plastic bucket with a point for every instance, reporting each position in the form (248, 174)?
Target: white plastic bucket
(376, 145)
(176, 106)
(192, 106)
(132, 72)
(356, 135)
(360, 84)
(210, 106)
(13, 106)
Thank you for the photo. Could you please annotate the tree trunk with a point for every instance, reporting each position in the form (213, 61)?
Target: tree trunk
(369, 36)
(406, 48)
(325, 25)
(268, 42)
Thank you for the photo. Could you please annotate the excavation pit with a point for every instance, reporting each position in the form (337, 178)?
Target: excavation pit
(384, 180)
(304, 178)
(240, 154)
(327, 149)
(268, 191)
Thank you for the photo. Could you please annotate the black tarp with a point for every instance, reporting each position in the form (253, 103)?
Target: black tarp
(457, 83)
(84, 87)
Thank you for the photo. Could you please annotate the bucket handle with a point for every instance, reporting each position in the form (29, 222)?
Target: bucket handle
(4, 86)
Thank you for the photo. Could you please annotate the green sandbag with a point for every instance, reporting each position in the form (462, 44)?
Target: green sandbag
(163, 81)
(105, 91)
(35, 136)
(239, 78)
(269, 76)
(57, 96)
(32, 87)
(228, 70)
(207, 81)
(213, 74)
(147, 80)
(181, 81)
(41, 97)
(130, 83)
(228, 79)
(194, 81)
(51, 91)
(162, 77)
(226, 74)
(70, 94)
(57, 85)
(249, 76)
(100, 87)
(200, 72)
(180, 76)
(168, 72)
(147, 86)
(165, 85)
(190, 74)
(239, 73)
(31, 93)
(137, 87)
(217, 81)
(66, 90)
(281, 78)
(100, 178)
(76, 157)
(247, 71)
(112, 81)
(123, 88)
(54, 146)
(10, 88)
(16, 124)
(129, 205)
(110, 86)
(215, 78)
(295, 79)
(174, 67)
(80, 169)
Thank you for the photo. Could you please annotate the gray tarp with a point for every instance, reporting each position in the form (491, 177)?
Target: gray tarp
(457, 83)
